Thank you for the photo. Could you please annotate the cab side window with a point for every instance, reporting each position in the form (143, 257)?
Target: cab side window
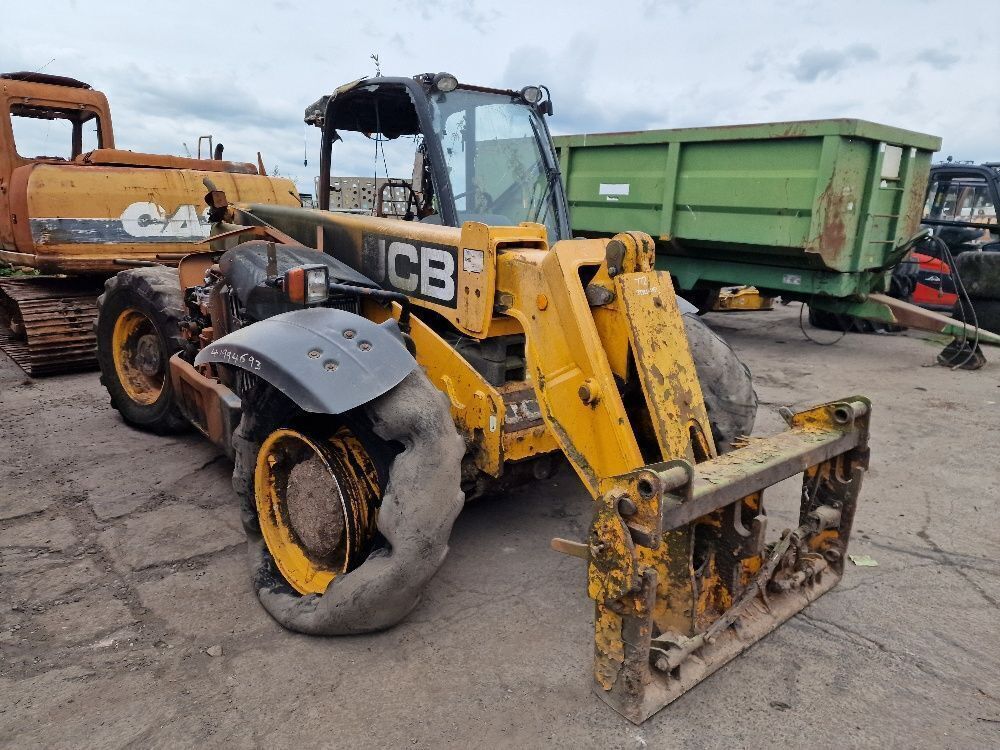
(52, 133)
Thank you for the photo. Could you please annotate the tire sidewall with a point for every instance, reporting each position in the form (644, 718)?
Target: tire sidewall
(980, 274)
(726, 383)
(987, 313)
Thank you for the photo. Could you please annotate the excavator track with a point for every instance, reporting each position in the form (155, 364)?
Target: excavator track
(47, 323)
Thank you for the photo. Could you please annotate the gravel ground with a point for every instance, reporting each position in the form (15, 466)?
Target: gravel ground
(126, 615)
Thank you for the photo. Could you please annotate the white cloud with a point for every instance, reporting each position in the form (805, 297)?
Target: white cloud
(175, 72)
(819, 62)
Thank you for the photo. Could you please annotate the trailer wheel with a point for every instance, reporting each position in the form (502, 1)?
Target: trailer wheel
(726, 384)
(347, 517)
(138, 330)
(828, 321)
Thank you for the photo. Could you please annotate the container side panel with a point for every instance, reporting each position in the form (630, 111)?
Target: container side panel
(747, 193)
(826, 196)
(610, 187)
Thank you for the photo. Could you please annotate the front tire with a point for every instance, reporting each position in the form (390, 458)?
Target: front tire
(726, 384)
(138, 330)
(310, 487)
(409, 437)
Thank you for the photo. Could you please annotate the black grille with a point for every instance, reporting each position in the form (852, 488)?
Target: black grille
(346, 302)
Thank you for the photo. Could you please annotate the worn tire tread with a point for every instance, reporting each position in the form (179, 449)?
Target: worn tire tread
(980, 274)
(726, 384)
(157, 289)
(987, 313)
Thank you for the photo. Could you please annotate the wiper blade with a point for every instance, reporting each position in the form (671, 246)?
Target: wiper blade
(551, 174)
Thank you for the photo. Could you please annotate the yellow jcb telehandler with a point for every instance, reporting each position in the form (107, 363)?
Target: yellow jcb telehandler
(370, 373)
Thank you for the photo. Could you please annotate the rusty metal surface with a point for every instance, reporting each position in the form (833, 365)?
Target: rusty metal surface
(702, 586)
(48, 324)
(753, 468)
(45, 78)
(122, 158)
(78, 212)
(211, 407)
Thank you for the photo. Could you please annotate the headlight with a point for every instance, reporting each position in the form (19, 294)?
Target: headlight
(531, 94)
(307, 285)
(444, 82)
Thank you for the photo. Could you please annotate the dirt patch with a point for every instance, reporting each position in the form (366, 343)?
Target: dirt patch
(498, 652)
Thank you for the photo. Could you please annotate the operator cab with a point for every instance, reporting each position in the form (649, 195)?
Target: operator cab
(51, 118)
(961, 206)
(477, 154)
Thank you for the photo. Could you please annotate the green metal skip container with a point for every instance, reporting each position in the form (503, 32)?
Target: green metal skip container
(797, 209)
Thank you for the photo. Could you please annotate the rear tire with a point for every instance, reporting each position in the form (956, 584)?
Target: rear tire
(726, 384)
(980, 274)
(987, 313)
(138, 330)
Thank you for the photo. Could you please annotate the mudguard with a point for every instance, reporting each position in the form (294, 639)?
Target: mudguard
(327, 361)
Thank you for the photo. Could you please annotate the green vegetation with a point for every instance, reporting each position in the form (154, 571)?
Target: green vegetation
(7, 270)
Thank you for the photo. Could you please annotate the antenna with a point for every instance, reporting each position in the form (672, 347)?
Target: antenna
(44, 66)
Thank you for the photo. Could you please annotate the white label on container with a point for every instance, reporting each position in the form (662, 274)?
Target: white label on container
(472, 261)
(891, 159)
(613, 188)
(792, 279)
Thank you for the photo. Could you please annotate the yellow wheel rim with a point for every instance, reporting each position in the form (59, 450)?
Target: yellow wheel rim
(138, 357)
(316, 504)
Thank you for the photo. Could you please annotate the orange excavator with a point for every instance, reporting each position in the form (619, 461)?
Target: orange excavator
(76, 210)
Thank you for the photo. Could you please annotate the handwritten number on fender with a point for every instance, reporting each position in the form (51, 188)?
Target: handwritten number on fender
(246, 361)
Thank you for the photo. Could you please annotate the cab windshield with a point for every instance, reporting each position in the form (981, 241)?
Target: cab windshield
(496, 156)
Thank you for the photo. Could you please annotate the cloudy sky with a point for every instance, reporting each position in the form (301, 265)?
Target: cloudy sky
(244, 72)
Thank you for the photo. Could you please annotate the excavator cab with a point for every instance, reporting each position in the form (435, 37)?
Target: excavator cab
(75, 210)
(52, 118)
(479, 154)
